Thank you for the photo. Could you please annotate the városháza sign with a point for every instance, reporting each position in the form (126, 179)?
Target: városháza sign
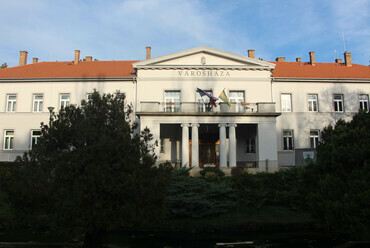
(204, 73)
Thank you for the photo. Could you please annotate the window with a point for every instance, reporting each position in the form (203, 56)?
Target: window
(312, 103)
(286, 103)
(64, 100)
(338, 103)
(11, 103)
(288, 140)
(172, 101)
(38, 100)
(237, 97)
(35, 135)
(251, 145)
(8, 139)
(203, 102)
(364, 101)
(89, 97)
(162, 146)
(314, 138)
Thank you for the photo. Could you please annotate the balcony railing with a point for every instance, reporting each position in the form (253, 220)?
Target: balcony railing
(196, 107)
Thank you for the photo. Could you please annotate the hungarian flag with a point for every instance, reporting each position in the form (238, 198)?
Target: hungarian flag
(224, 98)
(211, 98)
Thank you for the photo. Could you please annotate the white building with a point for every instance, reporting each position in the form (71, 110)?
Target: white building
(277, 108)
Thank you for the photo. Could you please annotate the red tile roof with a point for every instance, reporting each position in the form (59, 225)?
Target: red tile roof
(96, 69)
(320, 70)
(84, 69)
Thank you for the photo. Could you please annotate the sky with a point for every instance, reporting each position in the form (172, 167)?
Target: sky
(122, 29)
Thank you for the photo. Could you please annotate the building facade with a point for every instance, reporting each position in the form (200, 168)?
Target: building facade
(276, 112)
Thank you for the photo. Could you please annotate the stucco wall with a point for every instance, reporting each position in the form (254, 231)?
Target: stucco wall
(23, 120)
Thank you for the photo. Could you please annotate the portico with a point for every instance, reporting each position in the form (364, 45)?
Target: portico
(192, 131)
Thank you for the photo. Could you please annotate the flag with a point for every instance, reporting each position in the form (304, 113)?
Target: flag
(224, 98)
(211, 98)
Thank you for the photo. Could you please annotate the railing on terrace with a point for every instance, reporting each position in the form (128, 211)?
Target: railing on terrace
(196, 107)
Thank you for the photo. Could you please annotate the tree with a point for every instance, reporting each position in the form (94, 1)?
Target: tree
(339, 193)
(89, 173)
(4, 65)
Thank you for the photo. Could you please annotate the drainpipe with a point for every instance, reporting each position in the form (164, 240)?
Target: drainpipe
(134, 81)
(272, 89)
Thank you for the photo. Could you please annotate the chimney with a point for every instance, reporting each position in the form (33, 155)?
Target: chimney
(148, 49)
(339, 61)
(348, 59)
(280, 59)
(35, 60)
(298, 60)
(251, 54)
(23, 58)
(88, 58)
(77, 56)
(312, 58)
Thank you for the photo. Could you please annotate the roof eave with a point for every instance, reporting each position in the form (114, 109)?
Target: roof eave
(320, 80)
(66, 79)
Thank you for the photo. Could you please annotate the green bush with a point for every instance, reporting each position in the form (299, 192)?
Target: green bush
(7, 216)
(236, 171)
(211, 176)
(212, 169)
(178, 172)
(279, 188)
(195, 198)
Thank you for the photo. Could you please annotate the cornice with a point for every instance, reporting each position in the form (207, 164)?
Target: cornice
(274, 114)
(199, 67)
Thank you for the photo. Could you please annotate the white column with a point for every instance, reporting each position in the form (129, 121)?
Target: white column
(194, 145)
(185, 145)
(232, 144)
(223, 151)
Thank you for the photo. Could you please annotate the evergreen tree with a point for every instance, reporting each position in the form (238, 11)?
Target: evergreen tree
(337, 188)
(89, 173)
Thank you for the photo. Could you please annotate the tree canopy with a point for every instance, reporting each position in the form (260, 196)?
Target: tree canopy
(338, 192)
(89, 172)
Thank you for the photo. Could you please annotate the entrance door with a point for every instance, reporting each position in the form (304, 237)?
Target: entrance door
(209, 152)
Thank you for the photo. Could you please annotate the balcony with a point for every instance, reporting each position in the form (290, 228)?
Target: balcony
(200, 107)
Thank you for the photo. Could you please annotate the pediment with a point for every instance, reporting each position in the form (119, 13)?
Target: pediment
(204, 57)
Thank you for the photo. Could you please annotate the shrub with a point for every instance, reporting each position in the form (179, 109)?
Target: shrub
(212, 169)
(211, 176)
(279, 188)
(195, 198)
(236, 171)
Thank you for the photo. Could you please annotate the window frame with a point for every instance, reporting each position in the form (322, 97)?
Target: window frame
(37, 103)
(363, 102)
(62, 100)
(88, 97)
(172, 103)
(34, 137)
(162, 145)
(283, 107)
(338, 103)
(203, 101)
(289, 140)
(250, 145)
(314, 138)
(312, 103)
(11, 105)
(239, 107)
(8, 140)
